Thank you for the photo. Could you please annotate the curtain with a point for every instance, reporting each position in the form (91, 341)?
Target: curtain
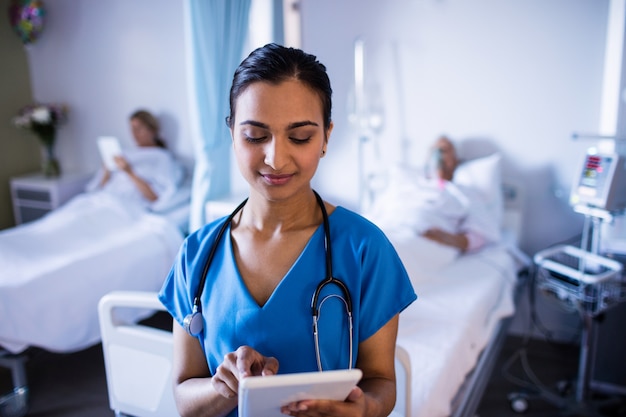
(217, 34)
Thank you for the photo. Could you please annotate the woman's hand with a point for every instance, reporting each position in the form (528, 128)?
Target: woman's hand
(242, 363)
(144, 188)
(197, 392)
(354, 405)
(122, 164)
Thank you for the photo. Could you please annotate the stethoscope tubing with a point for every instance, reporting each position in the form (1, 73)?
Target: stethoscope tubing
(193, 322)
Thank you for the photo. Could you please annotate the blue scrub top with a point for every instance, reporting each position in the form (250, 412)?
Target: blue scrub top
(363, 258)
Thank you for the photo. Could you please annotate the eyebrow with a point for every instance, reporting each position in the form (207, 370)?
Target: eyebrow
(289, 127)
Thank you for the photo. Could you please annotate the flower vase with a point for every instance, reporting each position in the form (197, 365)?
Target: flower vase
(49, 163)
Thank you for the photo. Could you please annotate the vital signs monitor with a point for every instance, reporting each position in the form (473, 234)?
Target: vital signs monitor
(601, 182)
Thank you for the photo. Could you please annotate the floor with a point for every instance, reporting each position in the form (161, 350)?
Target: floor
(552, 365)
(74, 385)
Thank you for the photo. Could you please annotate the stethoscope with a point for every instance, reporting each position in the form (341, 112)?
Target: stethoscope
(193, 322)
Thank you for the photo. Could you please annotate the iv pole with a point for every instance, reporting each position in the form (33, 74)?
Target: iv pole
(367, 116)
(359, 109)
(590, 242)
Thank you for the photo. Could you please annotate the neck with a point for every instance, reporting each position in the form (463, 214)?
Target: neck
(296, 213)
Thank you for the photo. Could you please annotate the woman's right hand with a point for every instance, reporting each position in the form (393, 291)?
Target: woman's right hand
(242, 363)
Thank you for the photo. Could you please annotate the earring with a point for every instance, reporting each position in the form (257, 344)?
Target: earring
(323, 152)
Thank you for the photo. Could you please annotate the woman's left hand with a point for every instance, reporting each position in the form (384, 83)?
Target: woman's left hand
(353, 406)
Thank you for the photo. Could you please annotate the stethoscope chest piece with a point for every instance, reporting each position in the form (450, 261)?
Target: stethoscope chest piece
(193, 323)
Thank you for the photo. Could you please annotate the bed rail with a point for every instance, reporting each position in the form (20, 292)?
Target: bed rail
(137, 358)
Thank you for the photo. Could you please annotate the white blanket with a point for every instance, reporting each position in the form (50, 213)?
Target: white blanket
(54, 271)
(461, 299)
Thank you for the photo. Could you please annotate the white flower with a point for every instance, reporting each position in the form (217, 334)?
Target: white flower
(22, 121)
(42, 115)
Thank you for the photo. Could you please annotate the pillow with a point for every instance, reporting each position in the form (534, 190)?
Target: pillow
(485, 176)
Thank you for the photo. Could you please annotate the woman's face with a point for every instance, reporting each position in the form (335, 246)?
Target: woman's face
(143, 135)
(278, 137)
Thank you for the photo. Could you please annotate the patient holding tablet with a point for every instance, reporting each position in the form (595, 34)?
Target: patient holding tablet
(144, 174)
(287, 285)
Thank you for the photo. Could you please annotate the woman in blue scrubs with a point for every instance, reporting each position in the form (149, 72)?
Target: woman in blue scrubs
(255, 301)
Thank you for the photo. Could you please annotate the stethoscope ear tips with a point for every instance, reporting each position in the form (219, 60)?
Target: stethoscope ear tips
(193, 324)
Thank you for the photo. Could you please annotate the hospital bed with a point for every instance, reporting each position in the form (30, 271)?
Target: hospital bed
(453, 333)
(54, 271)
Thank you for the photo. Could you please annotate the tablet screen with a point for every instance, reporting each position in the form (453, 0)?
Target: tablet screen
(262, 396)
(109, 147)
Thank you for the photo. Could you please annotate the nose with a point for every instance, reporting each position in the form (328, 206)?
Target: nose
(276, 153)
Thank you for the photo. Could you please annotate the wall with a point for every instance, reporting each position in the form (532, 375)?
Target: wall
(19, 150)
(105, 60)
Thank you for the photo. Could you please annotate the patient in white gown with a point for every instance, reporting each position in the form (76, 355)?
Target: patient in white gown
(434, 206)
(145, 174)
(456, 216)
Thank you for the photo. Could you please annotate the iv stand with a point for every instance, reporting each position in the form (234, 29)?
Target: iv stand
(590, 242)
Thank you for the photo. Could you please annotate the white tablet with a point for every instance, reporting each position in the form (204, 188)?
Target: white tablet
(109, 147)
(262, 396)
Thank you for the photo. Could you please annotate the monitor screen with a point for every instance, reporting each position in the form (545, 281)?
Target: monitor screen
(600, 182)
(595, 174)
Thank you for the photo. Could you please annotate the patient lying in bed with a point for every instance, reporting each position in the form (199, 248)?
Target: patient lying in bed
(147, 175)
(153, 169)
(111, 237)
(433, 205)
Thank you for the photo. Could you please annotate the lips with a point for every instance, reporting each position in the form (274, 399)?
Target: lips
(274, 179)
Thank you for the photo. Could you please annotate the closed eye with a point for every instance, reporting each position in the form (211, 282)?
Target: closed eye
(251, 139)
(300, 141)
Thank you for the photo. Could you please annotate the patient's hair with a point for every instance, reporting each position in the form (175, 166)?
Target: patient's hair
(148, 119)
(274, 64)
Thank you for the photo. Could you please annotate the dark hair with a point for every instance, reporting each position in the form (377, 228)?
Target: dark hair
(151, 123)
(275, 63)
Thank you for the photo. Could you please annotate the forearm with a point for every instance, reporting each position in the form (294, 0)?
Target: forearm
(143, 187)
(376, 360)
(380, 396)
(106, 176)
(196, 397)
(458, 240)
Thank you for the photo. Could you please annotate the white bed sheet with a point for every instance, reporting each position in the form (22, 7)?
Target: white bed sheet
(461, 299)
(54, 271)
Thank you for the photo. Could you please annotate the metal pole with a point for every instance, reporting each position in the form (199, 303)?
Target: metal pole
(587, 353)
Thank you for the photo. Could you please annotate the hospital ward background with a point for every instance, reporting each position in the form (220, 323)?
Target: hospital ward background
(532, 94)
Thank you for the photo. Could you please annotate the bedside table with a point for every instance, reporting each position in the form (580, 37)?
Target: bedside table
(35, 195)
